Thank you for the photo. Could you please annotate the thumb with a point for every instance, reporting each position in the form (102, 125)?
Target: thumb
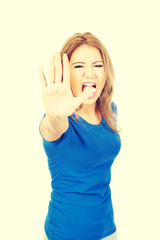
(84, 95)
(88, 91)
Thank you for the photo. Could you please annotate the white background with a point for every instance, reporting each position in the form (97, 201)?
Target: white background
(30, 31)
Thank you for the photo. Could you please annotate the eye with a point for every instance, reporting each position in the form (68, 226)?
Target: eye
(98, 65)
(78, 66)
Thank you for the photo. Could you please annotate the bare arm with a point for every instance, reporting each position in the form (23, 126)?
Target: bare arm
(52, 129)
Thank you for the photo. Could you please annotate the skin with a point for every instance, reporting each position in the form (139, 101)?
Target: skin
(86, 65)
(62, 98)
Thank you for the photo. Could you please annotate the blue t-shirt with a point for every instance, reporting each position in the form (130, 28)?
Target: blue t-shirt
(80, 163)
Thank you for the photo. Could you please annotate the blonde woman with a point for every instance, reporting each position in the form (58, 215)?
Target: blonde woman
(81, 140)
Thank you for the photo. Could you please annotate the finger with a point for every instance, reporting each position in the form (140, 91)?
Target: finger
(86, 94)
(42, 77)
(58, 68)
(66, 70)
(51, 70)
(83, 96)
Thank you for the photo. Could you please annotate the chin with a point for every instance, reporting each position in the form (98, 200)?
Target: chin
(89, 101)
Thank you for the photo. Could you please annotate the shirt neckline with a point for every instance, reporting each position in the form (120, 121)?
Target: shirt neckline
(90, 124)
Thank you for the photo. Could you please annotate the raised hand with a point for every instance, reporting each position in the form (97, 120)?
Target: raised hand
(57, 95)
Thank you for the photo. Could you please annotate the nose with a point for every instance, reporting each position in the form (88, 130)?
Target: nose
(89, 72)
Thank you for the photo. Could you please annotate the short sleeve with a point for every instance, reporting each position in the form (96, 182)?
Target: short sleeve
(50, 146)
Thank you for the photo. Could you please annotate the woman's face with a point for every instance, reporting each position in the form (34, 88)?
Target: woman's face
(87, 70)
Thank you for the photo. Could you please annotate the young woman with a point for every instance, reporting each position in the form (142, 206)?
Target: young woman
(81, 140)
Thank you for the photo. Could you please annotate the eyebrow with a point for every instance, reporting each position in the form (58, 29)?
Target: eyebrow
(84, 62)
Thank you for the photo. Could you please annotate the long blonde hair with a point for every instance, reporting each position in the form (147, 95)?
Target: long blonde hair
(104, 102)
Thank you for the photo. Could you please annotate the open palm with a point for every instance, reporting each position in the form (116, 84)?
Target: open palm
(57, 95)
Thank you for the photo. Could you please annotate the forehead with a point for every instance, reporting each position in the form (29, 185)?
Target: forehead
(86, 53)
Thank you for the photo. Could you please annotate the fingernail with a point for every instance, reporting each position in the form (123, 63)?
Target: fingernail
(57, 54)
(51, 58)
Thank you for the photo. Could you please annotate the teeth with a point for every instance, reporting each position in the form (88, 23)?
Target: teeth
(89, 84)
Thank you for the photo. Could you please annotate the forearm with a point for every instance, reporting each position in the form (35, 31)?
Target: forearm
(52, 128)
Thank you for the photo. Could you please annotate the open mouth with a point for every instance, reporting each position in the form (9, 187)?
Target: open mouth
(88, 84)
